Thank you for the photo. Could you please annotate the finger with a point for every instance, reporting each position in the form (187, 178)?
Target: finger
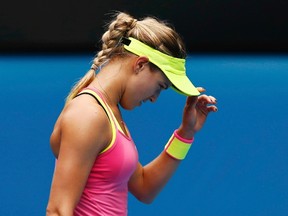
(212, 109)
(201, 89)
(205, 99)
(213, 99)
(206, 110)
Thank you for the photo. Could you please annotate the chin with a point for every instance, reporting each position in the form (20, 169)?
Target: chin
(127, 107)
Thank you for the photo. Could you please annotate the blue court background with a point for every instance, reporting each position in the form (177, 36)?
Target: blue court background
(238, 162)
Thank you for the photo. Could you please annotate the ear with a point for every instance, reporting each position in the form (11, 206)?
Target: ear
(140, 62)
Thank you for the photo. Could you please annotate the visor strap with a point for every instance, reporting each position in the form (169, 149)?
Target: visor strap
(125, 41)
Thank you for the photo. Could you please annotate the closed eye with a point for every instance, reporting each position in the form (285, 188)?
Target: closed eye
(164, 86)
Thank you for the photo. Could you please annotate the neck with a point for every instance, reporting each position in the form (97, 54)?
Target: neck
(110, 82)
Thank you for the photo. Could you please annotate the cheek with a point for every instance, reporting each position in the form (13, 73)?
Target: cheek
(148, 87)
(140, 90)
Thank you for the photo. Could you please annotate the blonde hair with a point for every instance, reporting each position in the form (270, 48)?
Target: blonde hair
(151, 31)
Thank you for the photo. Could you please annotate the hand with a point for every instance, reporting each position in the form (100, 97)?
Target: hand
(195, 113)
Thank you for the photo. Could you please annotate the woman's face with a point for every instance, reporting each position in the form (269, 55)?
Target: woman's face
(145, 85)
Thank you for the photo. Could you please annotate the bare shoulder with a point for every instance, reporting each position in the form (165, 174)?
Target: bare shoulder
(84, 125)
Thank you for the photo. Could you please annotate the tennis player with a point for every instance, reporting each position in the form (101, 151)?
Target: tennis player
(96, 158)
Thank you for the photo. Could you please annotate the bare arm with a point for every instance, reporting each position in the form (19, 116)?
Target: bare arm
(147, 181)
(83, 135)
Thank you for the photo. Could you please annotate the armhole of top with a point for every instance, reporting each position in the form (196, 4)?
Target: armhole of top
(107, 109)
(101, 103)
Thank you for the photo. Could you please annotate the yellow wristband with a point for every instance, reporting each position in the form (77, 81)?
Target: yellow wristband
(178, 147)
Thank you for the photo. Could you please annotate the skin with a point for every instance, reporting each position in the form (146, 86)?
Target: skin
(127, 82)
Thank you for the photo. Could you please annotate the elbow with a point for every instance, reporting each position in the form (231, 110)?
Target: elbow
(57, 211)
(51, 212)
(145, 199)
(144, 195)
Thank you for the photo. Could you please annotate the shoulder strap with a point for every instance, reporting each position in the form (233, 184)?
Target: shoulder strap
(99, 101)
(107, 111)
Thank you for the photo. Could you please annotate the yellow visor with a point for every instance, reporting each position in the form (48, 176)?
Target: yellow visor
(173, 68)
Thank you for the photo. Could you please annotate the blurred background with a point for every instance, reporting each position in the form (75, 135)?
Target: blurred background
(238, 50)
(205, 25)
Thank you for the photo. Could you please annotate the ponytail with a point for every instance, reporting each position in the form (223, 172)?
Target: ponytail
(110, 41)
(155, 33)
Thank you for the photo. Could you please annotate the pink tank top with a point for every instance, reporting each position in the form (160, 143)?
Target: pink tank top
(106, 190)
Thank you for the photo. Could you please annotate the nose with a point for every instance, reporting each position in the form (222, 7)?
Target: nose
(156, 94)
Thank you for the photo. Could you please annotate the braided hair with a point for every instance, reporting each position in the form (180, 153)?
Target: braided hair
(149, 30)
